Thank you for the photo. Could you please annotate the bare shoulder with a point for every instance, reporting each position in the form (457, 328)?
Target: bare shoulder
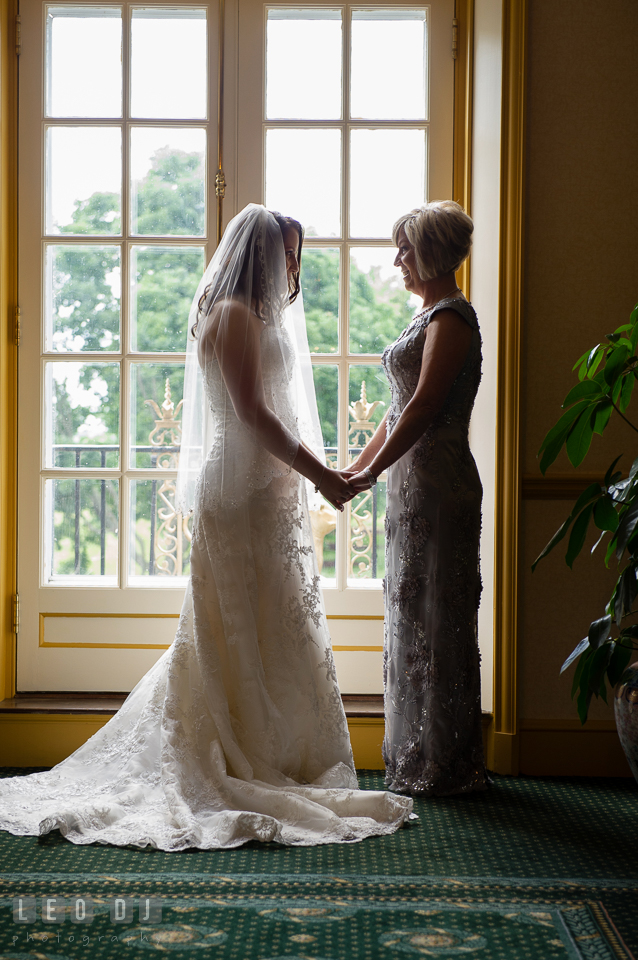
(237, 316)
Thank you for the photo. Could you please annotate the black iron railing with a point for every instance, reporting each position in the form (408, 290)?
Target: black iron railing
(80, 450)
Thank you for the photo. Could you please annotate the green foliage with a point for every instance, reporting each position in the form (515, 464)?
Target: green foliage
(170, 199)
(606, 377)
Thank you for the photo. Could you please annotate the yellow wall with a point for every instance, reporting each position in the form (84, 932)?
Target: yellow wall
(580, 282)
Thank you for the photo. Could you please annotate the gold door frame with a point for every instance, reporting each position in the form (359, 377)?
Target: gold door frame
(503, 734)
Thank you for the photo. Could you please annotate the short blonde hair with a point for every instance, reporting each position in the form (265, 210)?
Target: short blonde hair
(441, 234)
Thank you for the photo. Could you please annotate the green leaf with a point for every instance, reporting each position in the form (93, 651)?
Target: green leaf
(582, 664)
(627, 525)
(633, 336)
(582, 704)
(594, 360)
(588, 388)
(561, 428)
(579, 439)
(582, 370)
(576, 652)
(611, 549)
(599, 631)
(615, 363)
(616, 388)
(589, 493)
(626, 590)
(633, 470)
(605, 517)
(625, 393)
(618, 663)
(612, 337)
(598, 542)
(583, 358)
(558, 536)
(598, 668)
(610, 470)
(551, 451)
(624, 342)
(602, 413)
(578, 534)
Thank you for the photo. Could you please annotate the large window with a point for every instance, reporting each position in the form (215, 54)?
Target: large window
(338, 115)
(124, 230)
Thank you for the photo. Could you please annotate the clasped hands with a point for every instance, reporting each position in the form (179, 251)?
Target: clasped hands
(340, 486)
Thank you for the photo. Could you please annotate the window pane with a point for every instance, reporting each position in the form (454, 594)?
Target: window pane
(320, 286)
(81, 529)
(388, 65)
(324, 518)
(369, 398)
(163, 284)
(380, 306)
(326, 378)
(83, 180)
(83, 414)
(167, 181)
(160, 538)
(86, 43)
(168, 63)
(82, 293)
(373, 153)
(315, 38)
(303, 178)
(156, 420)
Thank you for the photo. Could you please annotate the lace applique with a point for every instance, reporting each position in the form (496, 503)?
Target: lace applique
(433, 742)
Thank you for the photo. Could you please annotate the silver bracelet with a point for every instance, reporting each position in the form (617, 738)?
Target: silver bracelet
(320, 479)
(369, 474)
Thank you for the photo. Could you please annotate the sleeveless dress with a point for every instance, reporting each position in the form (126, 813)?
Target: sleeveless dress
(433, 738)
(238, 732)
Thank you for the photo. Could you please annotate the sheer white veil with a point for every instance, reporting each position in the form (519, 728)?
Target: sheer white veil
(249, 268)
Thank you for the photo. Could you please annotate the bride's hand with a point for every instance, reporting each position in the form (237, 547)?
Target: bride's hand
(359, 482)
(335, 488)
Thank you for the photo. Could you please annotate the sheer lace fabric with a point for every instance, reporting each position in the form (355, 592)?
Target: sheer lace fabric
(433, 737)
(238, 732)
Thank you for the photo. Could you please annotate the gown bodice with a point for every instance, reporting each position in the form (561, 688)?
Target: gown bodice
(402, 364)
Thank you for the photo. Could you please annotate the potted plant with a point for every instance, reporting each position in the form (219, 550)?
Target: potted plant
(606, 378)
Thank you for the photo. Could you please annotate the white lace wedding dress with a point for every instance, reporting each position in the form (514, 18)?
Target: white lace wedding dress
(238, 732)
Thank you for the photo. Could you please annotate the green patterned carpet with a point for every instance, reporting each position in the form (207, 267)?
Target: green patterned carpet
(535, 868)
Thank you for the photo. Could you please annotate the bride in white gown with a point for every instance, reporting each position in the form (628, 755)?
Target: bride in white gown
(238, 731)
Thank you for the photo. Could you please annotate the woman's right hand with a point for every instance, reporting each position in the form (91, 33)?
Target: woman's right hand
(335, 488)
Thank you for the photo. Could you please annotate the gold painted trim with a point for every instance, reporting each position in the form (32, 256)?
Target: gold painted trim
(162, 646)
(339, 647)
(503, 741)
(348, 616)
(463, 118)
(106, 616)
(116, 616)
(8, 347)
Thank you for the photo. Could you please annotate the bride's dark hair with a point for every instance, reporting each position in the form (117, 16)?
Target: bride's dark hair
(254, 264)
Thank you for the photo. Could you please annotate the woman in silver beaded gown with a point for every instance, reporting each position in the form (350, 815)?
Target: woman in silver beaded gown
(433, 739)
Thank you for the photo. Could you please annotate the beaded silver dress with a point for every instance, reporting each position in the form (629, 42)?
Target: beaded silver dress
(433, 738)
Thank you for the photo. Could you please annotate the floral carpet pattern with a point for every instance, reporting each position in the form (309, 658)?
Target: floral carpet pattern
(535, 868)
